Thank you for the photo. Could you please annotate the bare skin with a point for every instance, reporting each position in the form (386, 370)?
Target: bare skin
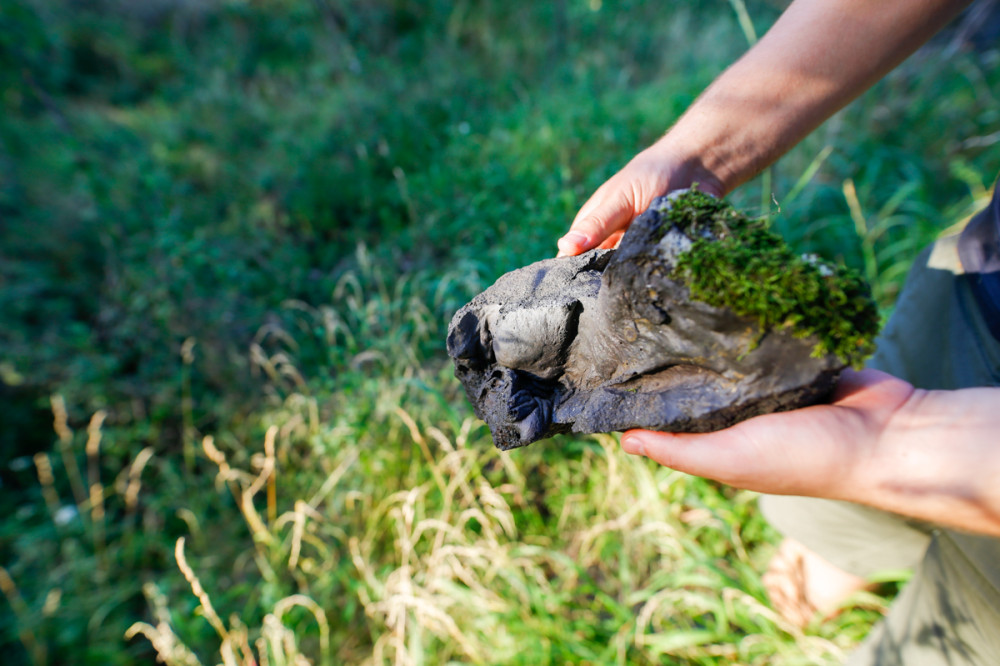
(819, 56)
(931, 455)
(802, 585)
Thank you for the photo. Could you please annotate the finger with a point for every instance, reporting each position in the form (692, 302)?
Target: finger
(573, 243)
(714, 455)
(597, 221)
(804, 451)
(858, 385)
(612, 241)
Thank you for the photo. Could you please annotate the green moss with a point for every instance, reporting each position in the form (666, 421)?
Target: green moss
(738, 263)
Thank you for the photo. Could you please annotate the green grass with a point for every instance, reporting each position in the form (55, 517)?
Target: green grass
(248, 224)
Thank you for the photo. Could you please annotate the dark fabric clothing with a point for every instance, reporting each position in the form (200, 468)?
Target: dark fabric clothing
(938, 337)
(979, 251)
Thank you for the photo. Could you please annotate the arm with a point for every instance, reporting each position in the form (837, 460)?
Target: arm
(930, 455)
(817, 57)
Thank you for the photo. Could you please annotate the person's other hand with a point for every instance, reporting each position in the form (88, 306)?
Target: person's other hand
(655, 171)
(813, 451)
(931, 455)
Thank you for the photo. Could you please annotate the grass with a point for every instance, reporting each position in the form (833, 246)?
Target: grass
(232, 237)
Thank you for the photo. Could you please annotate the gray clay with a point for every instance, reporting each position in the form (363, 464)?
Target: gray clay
(606, 341)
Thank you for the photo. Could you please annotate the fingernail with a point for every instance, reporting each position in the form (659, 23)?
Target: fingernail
(633, 444)
(572, 242)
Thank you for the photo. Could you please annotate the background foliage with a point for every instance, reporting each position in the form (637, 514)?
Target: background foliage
(231, 236)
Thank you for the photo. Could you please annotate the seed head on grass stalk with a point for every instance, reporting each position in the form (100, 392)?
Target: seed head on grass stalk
(60, 424)
(208, 611)
(97, 493)
(35, 649)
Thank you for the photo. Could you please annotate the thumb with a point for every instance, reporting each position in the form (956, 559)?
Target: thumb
(603, 215)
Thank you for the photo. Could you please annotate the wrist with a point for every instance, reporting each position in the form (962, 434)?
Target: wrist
(690, 164)
(935, 459)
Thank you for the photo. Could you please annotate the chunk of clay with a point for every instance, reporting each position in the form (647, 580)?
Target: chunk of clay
(608, 341)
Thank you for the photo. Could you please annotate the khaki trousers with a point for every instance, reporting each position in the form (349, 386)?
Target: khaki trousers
(949, 612)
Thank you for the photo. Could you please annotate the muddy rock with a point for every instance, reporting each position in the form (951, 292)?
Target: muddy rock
(612, 339)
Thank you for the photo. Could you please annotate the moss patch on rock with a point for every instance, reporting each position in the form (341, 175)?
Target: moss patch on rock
(739, 263)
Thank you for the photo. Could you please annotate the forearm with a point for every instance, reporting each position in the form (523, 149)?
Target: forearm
(937, 460)
(817, 57)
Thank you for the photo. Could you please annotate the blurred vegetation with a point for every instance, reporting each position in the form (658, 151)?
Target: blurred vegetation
(231, 236)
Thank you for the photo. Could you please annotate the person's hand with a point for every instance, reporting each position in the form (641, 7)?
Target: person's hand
(810, 451)
(818, 56)
(931, 455)
(658, 170)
